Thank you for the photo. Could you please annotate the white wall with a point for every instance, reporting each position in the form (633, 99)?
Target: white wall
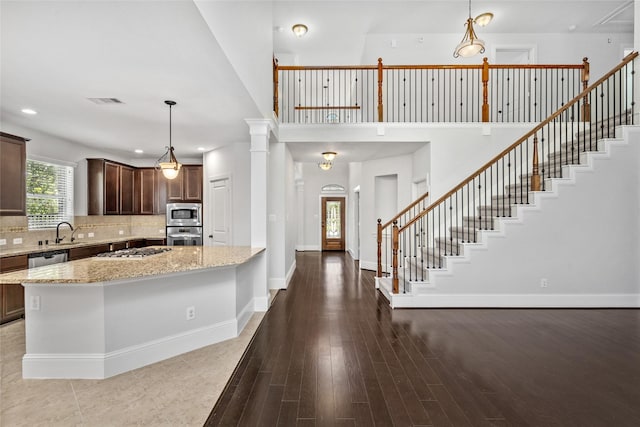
(291, 219)
(354, 224)
(399, 166)
(314, 179)
(584, 239)
(244, 31)
(233, 161)
(603, 50)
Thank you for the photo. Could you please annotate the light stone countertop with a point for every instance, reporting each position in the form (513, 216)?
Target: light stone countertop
(96, 269)
(27, 250)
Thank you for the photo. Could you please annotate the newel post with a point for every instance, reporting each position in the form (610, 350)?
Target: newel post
(379, 247)
(485, 90)
(535, 174)
(586, 108)
(394, 258)
(380, 110)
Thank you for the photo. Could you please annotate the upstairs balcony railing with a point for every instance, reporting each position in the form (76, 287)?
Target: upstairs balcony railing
(425, 93)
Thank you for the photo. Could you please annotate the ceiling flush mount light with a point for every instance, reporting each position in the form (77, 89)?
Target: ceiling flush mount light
(29, 111)
(327, 163)
(138, 151)
(299, 30)
(470, 44)
(168, 163)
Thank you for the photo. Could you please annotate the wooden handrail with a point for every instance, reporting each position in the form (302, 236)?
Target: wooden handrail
(405, 210)
(328, 107)
(533, 132)
(485, 76)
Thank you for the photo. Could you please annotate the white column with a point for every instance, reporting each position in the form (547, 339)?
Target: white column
(259, 129)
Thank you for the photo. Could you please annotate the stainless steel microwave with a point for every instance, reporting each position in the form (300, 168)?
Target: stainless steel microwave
(184, 215)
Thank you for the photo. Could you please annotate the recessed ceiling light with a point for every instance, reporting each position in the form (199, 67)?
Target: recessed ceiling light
(201, 149)
(29, 111)
(139, 151)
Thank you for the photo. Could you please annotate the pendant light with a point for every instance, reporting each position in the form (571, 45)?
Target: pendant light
(470, 44)
(168, 163)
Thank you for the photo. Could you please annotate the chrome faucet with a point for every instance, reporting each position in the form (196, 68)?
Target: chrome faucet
(58, 238)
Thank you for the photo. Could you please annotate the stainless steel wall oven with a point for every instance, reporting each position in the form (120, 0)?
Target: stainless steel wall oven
(184, 224)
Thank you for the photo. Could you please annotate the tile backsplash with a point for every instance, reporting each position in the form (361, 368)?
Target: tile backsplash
(15, 233)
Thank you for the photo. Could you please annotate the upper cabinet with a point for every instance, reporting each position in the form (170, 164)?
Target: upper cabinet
(111, 188)
(13, 183)
(187, 186)
(118, 189)
(151, 191)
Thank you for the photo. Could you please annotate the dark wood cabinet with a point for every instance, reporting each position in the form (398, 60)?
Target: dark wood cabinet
(12, 295)
(146, 190)
(118, 189)
(150, 192)
(155, 242)
(13, 175)
(127, 190)
(111, 188)
(87, 251)
(187, 186)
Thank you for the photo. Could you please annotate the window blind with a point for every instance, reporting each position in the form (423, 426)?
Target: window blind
(49, 194)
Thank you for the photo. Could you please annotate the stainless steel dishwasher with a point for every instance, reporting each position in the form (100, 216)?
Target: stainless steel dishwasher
(47, 258)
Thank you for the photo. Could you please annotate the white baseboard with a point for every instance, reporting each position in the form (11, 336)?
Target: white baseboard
(514, 300)
(369, 265)
(105, 365)
(243, 317)
(303, 248)
(261, 304)
(290, 274)
(276, 283)
(353, 254)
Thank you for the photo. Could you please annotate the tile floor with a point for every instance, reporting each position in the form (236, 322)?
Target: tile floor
(177, 391)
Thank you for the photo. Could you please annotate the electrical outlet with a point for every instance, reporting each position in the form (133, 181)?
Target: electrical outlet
(3, 242)
(162, 231)
(34, 303)
(80, 235)
(120, 232)
(17, 241)
(544, 283)
(91, 234)
(191, 313)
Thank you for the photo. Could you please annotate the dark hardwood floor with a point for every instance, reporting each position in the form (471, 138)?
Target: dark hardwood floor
(330, 352)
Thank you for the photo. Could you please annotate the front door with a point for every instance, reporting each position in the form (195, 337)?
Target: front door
(333, 226)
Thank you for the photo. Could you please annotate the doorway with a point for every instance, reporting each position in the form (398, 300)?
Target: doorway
(333, 226)
(220, 212)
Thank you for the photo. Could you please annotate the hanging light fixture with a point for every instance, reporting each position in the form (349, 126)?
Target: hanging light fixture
(327, 163)
(168, 163)
(483, 19)
(299, 30)
(470, 44)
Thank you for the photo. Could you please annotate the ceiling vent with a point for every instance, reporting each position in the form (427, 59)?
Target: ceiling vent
(102, 101)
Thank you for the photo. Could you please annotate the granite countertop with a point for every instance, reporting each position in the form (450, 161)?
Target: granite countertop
(95, 269)
(26, 250)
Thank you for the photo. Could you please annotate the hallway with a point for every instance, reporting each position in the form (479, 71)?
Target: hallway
(330, 351)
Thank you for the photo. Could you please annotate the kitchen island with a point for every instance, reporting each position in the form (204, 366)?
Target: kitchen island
(98, 317)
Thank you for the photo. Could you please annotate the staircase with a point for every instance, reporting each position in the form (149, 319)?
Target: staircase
(490, 243)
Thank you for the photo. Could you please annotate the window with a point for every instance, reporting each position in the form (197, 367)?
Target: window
(49, 194)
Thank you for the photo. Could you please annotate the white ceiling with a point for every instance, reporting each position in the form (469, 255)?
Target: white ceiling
(56, 54)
